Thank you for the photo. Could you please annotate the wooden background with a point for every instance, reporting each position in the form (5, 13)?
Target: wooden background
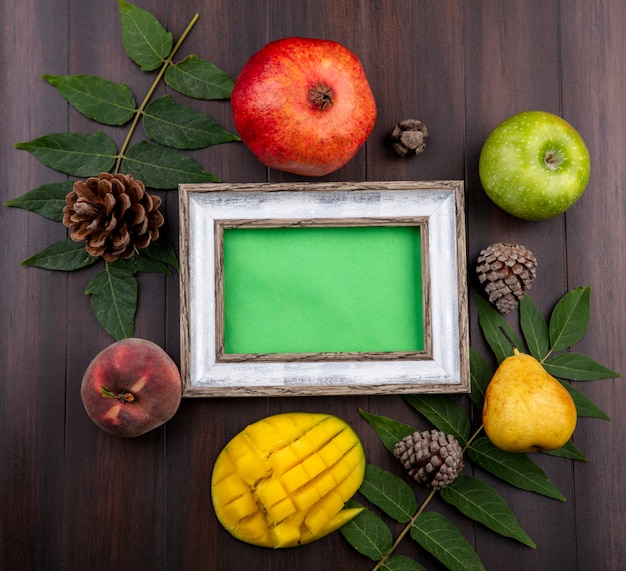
(73, 497)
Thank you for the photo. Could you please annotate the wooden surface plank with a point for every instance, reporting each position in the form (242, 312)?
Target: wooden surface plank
(73, 497)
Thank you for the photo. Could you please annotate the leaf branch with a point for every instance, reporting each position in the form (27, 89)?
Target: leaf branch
(425, 503)
(151, 91)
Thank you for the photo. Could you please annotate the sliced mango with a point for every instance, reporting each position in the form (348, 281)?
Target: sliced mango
(284, 480)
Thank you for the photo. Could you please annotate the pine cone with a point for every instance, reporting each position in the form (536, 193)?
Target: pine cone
(431, 457)
(507, 272)
(113, 215)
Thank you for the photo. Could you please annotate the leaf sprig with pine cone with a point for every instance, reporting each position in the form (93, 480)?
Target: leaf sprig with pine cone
(397, 496)
(110, 214)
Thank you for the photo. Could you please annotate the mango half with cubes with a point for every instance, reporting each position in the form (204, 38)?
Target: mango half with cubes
(284, 480)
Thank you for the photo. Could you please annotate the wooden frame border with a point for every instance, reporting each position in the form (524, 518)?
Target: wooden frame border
(221, 225)
(437, 207)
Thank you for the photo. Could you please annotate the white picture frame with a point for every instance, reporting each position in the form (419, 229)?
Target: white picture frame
(436, 206)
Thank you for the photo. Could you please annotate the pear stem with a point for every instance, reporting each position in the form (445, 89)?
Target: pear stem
(508, 338)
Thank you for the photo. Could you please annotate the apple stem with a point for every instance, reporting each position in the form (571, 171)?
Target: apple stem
(321, 96)
(553, 160)
(123, 396)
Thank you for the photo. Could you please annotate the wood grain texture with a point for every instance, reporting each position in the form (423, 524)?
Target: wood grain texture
(73, 497)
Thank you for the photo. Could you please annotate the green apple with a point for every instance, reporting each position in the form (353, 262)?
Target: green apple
(534, 165)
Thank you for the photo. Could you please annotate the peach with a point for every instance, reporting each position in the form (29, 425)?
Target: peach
(131, 387)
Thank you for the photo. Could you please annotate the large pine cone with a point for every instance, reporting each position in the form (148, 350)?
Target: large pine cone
(506, 271)
(431, 457)
(113, 215)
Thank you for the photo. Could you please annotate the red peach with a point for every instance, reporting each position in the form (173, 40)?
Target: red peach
(131, 387)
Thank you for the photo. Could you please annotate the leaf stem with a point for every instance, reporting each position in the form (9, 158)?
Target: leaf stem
(157, 80)
(430, 496)
(406, 530)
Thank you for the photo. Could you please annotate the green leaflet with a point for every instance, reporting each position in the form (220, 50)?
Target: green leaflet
(77, 154)
(47, 200)
(567, 451)
(481, 375)
(480, 502)
(158, 257)
(492, 323)
(519, 470)
(199, 79)
(114, 300)
(367, 533)
(174, 125)
(64, 255)
(577, 367)
(446, 414)
(570, 318)
(401, 563)
(95, 97)
(584, 405)
(444, 541)
(162, 167)
(534, 328)
(145, 40)
(390, 493)
(388, 430)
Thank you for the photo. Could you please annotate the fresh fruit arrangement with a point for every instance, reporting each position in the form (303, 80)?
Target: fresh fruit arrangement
(131, 387)
(303, 105)
(284, 480)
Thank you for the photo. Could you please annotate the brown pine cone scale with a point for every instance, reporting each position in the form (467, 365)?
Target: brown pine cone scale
(113, 215)
(432, 457)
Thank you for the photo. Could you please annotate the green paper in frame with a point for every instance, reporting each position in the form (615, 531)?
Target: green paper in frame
(323, 290)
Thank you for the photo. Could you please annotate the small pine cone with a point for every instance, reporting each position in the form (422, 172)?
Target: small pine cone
(507, 271)
(409, 137)
(431, 457)
(113, 215)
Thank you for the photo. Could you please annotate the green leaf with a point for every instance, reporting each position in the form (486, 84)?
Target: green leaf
(481, 375)
(367, 533)
(401, 563)
(162, 250)
(534, 328)
(114, 300)
(199, 79)
(64, 255)
(47, 200)
(491, 324)
(164, 168)
(388, 430)
(95, 97)
(446, 414)
(570, 318)
(480, 502)
(519, 470)
(444, 541)
(577, 367)
(567, 451)
(77, 154)
(174, 125)
(145, 40)
(584, 405)
(390, 493)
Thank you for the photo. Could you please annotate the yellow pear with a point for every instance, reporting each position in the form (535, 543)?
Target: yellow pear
(526, 409)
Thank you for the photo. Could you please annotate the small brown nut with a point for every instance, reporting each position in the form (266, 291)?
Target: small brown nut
(409, 137)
